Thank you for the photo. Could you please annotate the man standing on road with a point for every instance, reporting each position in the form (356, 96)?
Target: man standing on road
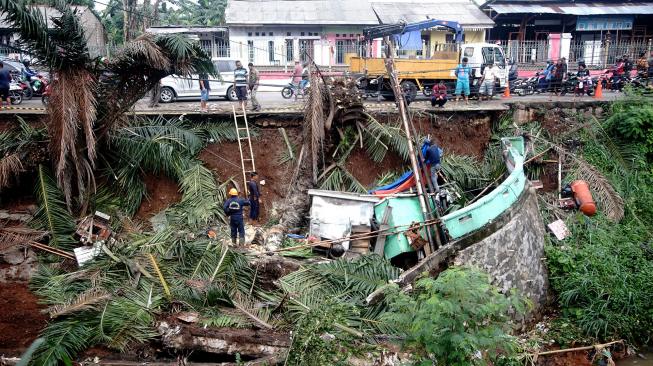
(253, 86)
(254, 195)
(205, 90)
(462, 82)
(233, 207)
(487, 81)
(240, 84)
(5, 83)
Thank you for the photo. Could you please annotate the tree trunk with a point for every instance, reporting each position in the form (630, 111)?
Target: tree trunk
(230, 341)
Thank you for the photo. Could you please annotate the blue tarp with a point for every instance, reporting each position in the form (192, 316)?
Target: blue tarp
(410, 41)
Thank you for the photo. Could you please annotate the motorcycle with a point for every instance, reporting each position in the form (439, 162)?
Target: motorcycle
(293, 89)
(15, 93)
(35, 87)
(527, 86)
(578, 86)
(45, 98)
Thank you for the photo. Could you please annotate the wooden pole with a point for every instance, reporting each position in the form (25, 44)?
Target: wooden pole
(399, 97)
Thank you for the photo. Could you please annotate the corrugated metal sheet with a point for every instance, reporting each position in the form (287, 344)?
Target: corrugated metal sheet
(48, 13)
(597, 8)
(304, 12)
(333, 214)
(464, 12)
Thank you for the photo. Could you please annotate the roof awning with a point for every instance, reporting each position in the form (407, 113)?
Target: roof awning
(597, 8)
(184, 29)
(467, 14)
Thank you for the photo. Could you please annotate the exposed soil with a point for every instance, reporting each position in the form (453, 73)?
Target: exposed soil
(161, 193)
(367, 171)
(224, 159)
(565, 359)
(463, 134)
(20, 326)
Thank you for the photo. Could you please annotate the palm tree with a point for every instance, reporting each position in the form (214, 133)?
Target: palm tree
(90, 95)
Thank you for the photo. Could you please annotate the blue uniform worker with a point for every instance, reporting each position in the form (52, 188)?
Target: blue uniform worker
(432, 157)
(233, 207)
(254, 195)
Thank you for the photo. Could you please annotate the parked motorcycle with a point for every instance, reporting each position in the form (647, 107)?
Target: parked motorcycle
(15, 93)
(526, 86)
(578, 86)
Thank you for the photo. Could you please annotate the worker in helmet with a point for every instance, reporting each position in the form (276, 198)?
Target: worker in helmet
(233, 207)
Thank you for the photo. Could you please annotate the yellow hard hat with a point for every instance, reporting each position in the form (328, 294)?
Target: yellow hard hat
(233, 192)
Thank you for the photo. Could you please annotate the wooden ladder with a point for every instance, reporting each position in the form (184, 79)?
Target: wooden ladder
(242, 133)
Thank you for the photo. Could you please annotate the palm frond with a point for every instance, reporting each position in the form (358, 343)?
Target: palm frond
(464, 170)
(201, 200)
(84, 301)
(613, 204)
(10, 168)
(52, 215)
(381, 137)
(220, 132)
(63, 340)
(18, 236)
(340, 179)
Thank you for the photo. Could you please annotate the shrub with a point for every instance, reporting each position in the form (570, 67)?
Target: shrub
(457, 319)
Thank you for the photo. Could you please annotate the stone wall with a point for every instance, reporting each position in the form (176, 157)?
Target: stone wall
(513, 255)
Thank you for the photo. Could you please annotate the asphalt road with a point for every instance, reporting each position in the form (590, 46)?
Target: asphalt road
(273, 100)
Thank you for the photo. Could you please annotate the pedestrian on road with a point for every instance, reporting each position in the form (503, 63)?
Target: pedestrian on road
(155, 95)
(240, 84)
(5, 83)
(253, 86)
(297, 73)
(487, 82)
(439, 95)
(305, 79)
(462, 83)
(565, 68)
(556, 79)
(432, 157)
(233, 207)
(254, 191)
(205, 90)
(628, 66)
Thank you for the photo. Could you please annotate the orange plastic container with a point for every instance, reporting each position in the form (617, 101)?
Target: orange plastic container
(583, 197)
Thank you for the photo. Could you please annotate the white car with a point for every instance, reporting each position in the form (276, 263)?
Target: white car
(177, 88)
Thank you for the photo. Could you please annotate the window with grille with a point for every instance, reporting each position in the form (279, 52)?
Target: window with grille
(250, 50)
(289, 51)
(271, 51)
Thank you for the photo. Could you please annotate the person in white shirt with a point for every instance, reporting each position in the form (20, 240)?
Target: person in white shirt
(487, 81)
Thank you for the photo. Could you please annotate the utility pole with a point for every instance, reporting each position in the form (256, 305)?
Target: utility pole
(399, 97)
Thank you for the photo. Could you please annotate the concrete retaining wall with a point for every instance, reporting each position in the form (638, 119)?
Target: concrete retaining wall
(514, 254)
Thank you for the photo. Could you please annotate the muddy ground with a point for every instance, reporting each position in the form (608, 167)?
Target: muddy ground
(21, 319)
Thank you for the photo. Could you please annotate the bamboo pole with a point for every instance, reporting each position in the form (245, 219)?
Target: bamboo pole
(585, 348)
(399, 97)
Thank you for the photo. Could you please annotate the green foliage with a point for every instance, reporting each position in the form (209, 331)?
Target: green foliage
(63, 340)
(632, 119)
(53, 215)
(316, 340)
(464, 170)
(603, 272)
(457, 319)
(604, 278)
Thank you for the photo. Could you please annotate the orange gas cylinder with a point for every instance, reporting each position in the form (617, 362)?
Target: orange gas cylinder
(583, 197)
